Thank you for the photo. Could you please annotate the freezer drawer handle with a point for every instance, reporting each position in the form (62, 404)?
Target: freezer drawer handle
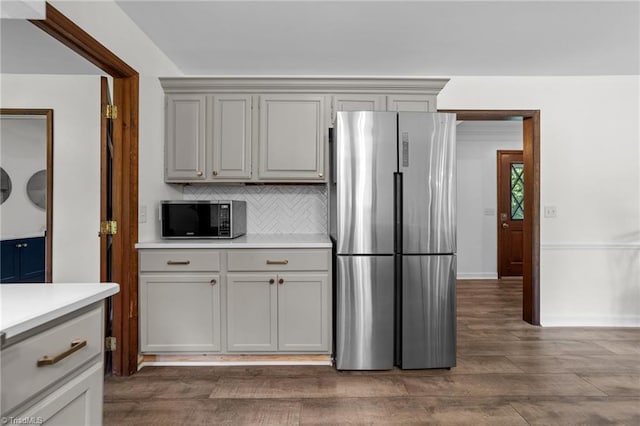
(178, 262)
(75, 346)
(277, 262)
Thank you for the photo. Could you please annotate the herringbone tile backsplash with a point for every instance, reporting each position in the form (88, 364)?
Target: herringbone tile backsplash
(273, 209)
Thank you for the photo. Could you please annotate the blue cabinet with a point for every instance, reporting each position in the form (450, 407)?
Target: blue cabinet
(22, 260)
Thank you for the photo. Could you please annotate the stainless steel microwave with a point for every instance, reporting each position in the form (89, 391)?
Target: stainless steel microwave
(203, 219)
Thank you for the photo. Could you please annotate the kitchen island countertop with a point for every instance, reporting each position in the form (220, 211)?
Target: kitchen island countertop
(26, 306)
(289, 241)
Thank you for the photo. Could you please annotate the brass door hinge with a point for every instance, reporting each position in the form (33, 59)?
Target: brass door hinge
(110, 111)
(108, 227)
(110, 344)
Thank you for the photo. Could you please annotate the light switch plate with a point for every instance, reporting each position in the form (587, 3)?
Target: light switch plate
(142, 213)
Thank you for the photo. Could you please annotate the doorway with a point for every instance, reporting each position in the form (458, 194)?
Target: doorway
(531, 221)
(510, 196)
(26, 185)
(124, 183)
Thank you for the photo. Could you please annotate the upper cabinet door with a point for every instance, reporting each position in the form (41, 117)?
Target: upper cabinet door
(411, 103)
(185, 137)
(292, 137)
(346, 102)
(230, 154)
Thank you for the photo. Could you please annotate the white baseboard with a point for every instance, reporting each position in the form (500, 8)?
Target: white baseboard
(226, 363)
(590, 321)
(477, 276)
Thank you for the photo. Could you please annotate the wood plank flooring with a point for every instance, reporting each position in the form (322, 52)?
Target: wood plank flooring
(508, 373)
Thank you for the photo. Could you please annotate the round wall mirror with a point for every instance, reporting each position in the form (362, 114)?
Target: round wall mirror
(37, 189)
(5, 185)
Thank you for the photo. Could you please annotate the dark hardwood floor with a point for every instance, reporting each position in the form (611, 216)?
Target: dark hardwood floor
(508, 373)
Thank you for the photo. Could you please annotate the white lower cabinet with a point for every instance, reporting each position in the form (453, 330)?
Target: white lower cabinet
(278, 312)
(235, 301)
(54, 375)
(303, 309)
(252, 317)
(78, 402)
(180, 312)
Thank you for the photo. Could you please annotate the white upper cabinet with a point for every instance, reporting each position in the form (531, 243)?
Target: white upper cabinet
(271, 129)
(292, 134)
(230, 153)
(208, 137)
(186, 130)
(417, 103)
(357, 102)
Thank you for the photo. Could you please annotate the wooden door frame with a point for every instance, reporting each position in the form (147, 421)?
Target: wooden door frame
(125, 185)
(48, 240)
(531, 225)
(499, 182)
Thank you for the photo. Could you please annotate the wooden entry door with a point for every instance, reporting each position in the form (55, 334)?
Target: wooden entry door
(510, 213)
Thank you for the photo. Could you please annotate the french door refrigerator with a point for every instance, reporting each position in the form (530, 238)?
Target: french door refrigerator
(392, 221)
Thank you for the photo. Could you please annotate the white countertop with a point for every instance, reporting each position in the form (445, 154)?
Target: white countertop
(291, 241)
(25, 306)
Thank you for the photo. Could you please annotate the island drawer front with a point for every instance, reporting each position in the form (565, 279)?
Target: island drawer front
(278, 260)
(22, 378)
(181, 260)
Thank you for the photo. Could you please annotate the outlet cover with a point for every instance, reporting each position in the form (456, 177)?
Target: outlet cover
(550, 211)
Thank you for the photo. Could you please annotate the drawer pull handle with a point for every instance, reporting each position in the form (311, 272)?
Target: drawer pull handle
(277, 262)
(76, 345)
(178, 262)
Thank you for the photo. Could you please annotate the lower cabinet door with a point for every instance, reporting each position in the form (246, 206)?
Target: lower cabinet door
(180, 313)
(78, 402)
(252, 312)
(303, 312)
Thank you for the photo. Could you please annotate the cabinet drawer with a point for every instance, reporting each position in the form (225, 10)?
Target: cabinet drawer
(181, 260)
(278, 260)
(22, 377)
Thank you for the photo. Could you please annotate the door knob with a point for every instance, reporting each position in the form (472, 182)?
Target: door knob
(214, 282)
(199, 173)
(215, 173)
(505, 225)
(280, 281)
(271, 281)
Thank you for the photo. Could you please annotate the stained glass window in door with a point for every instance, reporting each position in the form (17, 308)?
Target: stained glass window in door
(517, 191)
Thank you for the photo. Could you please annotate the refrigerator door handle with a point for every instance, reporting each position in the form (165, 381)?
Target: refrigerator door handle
(397, 213)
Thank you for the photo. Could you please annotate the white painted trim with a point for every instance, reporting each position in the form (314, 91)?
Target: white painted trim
(591, 321)
(326, 84)
(477, 275)
(590, 246)
(226, 363)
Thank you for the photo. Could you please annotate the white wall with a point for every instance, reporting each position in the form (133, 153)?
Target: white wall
(23, 152)
(75, 101)
(590, 170)
(590, 161)
(477, 143)
(133, 46)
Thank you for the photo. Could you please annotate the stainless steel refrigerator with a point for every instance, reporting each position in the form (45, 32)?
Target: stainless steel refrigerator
(392, 221)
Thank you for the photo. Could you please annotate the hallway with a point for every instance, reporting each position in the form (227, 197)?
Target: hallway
(508, 372)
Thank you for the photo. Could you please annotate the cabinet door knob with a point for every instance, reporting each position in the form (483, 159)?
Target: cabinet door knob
(271, 281)
(214, 282)
(321, 174)
(24, 245)
(199, 173)
(18, 245)
(215, 173)
(280, 281)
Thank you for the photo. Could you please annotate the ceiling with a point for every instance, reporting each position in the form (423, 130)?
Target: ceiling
(381, 38)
